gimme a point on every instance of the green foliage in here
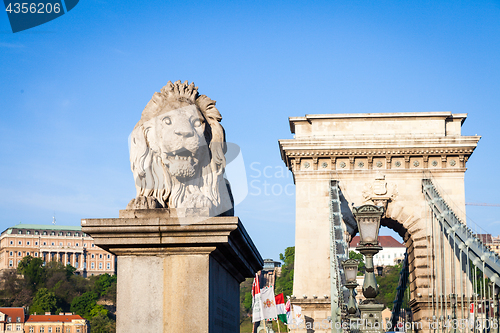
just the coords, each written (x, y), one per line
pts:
(360, 258)
(84, 304)
(102, 324)
(55, 288)
(45, 301)
(284, 283)
(388, 284)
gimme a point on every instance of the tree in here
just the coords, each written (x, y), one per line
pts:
(45, 301)
(102, 324)
(104, 283)
(388, 284)
(361, 265)
(284, 283)
(32, 270)
(84, 304)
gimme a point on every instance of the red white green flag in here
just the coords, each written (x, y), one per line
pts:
(257, 311)
(288, 309)
(280, 307)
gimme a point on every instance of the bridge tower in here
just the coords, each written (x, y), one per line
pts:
(344, 160)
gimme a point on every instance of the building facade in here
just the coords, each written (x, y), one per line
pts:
(61, 323)
(66, 244)
(393, 252)
(12, 319)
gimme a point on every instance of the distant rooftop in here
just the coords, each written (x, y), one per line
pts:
(42, 227)
(53, 318)
(384, 241)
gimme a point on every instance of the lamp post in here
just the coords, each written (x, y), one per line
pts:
(368, 220)
(453, 301)
(351, 271)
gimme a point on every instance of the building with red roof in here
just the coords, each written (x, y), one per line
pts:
(61, 323)
(12, 319)
(392, 253)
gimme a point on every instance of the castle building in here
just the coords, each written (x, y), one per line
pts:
(66, 244)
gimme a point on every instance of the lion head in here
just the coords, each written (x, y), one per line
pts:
(177, 152)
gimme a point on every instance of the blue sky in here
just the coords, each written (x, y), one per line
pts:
(73, 89)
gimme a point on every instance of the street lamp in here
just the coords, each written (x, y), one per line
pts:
(351, 271)
(368, 220)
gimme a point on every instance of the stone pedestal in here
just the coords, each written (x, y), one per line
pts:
(371, 318)
(176, 272)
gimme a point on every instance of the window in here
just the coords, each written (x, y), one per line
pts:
(18, 327)
(77, 330)
(77, 234)
(28, 232)
(11, 253)
(50, 329)
(100, 256)
(84, 244)
(19, 243)
(69, 244)
(28, 243)
(76, 264)
(109, 256)
(42, 329)
(10, 263)
(100, 265)
(52, 234)
(60, 243)
(93, 245)
(108, 266)
(68, 234)
(36, 232)
(27, 253)
(18, 319)
(93, 256)
(92, 265)
(9, 319)
(19, 253)
(36, 243)
(32, 329)
(36, 254)
(382, 256)
(77, 244)
(44, 243)
(58, 330)
(60, 233)
(53, 243)
(45, 233)
(68, 329)
(11, 242)
(19, 232)
(9, 328)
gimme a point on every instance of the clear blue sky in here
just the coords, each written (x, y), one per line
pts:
(72, 90)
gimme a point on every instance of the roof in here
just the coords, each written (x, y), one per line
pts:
(43, 227)
(485, 238)
(13, 313)
(384, 241)
(53, 318)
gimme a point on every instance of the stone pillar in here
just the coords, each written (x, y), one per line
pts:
(176, 274)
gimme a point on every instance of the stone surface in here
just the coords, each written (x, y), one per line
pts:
(377, 158)
(173, 276)
(177, 153)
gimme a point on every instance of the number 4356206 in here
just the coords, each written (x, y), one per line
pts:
(33, 8)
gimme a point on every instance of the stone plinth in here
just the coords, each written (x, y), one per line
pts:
(174, 276)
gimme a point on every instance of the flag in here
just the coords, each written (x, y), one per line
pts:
(269, 304)
(288, 310)
(257, 314)
(280, 307)
(297, 311)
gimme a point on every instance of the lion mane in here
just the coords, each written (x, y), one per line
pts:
(189, 177)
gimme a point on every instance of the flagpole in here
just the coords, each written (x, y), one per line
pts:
(278, 322)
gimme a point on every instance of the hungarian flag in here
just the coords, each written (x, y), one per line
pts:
(288, 309)
(257, 311)
(280, 307)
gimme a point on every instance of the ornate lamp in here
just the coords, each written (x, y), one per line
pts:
(368, 220)
(351, 271)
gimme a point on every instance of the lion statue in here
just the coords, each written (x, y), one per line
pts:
(177, 153)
